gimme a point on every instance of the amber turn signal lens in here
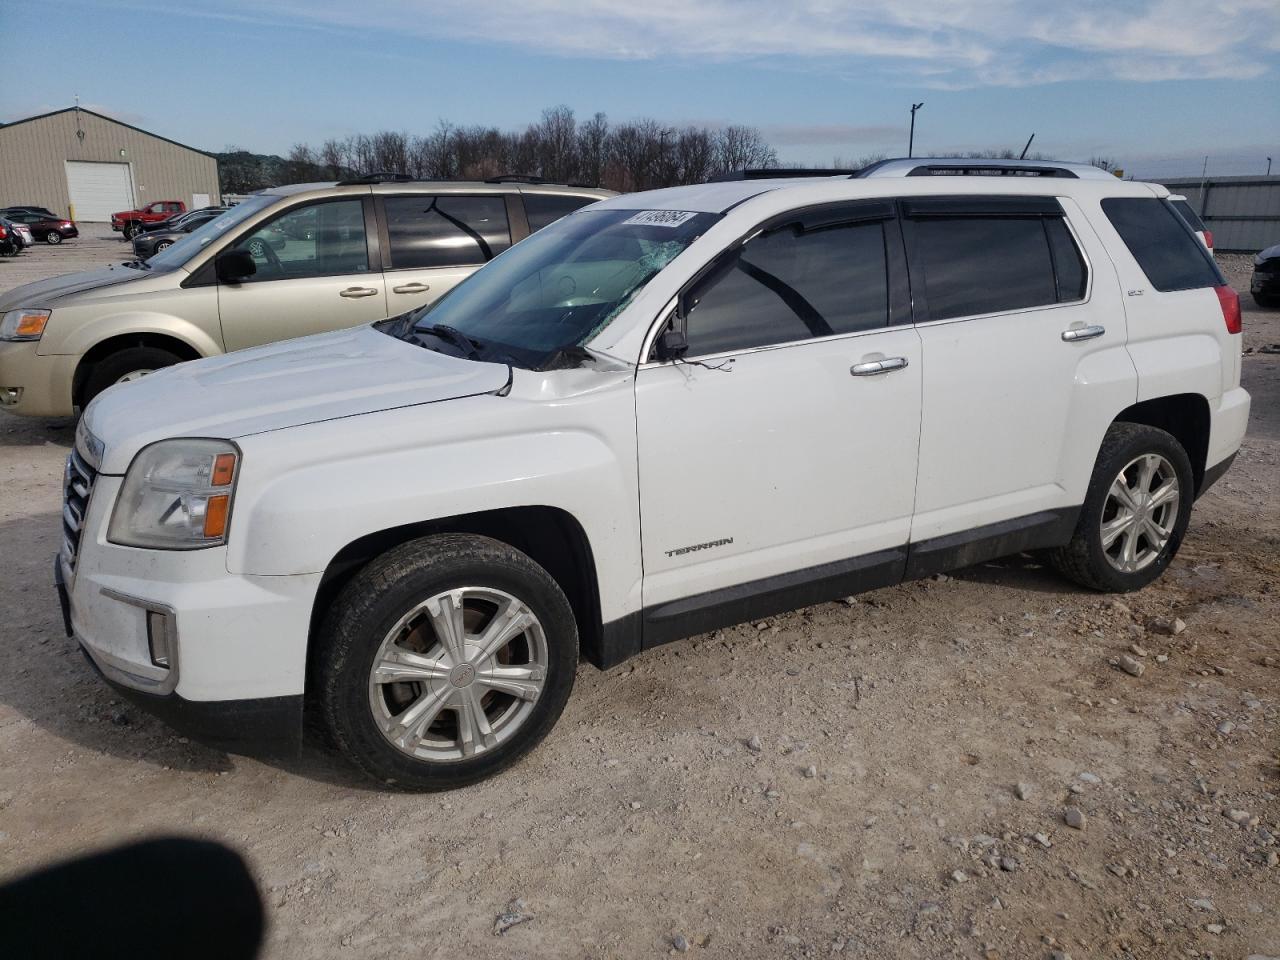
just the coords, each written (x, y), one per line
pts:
(224, 468)
(215, 516)
(31, 324)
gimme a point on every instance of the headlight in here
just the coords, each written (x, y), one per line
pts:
(24, 324)
(177, 496)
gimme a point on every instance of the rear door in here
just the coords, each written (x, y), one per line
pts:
(1023, 337)
(315, 272)
(432, 242)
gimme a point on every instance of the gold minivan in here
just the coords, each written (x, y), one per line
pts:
(283, 263)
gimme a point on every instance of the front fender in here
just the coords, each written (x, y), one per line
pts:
(307, 492)
(76, 330)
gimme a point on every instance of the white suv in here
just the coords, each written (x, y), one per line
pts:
(666, 413)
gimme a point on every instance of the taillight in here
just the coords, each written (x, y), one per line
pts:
(1230, 301)
(66, 224)
(3, 233)
(1208, 239)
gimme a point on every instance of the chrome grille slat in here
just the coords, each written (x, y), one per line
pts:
(77, 488)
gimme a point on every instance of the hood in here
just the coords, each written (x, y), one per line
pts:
(1268, 254)
(331, 375)
(43, 292)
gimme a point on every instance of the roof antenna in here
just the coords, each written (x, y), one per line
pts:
(1023, 154)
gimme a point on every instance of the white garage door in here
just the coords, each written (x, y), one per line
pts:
(99, 189)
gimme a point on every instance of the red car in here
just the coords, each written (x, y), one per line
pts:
(131, 222)
(43, 226)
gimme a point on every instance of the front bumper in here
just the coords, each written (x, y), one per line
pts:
(235, 646)
(1265, 284)
(35, 384)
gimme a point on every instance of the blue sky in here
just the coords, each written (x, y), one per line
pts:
(1155, 84)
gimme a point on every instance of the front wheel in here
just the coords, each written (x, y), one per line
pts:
(1135, 512)
(1265, 301)
(163, 245)
(444, 661)
(124, 366)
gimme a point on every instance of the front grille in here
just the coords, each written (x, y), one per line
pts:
(77, 485)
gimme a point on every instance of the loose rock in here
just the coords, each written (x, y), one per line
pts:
(1131, 666)
(1075, 818)
(1022, 791)
(680, 943)
(754, 744)
(514, 915)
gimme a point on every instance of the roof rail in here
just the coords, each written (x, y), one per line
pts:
(381, 176)
(772, 173)
(981, 167)
(516, 178)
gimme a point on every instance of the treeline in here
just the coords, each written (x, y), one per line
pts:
(637, 155)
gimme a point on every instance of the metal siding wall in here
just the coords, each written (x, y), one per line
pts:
(1242, 212)
(32, 155)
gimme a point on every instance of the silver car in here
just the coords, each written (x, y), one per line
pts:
(283, 263)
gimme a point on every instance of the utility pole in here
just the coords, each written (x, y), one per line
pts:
(911, 139)
(1268, 166)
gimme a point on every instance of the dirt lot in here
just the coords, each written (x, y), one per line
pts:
(841, 780)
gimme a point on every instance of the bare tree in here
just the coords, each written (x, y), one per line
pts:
(593, 149)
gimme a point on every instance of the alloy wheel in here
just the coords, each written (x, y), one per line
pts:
(458, 674)
(1140, 512)
(133, 375)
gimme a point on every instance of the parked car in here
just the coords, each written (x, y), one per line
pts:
(52, 230)
(44, 210)
(806, 388)
(1264, 285)
(370, 250)
(14, 237)
(1193, 220)
(178, 218)
(133, 222)
(151, 242)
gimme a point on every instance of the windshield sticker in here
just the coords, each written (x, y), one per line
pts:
(660, 218)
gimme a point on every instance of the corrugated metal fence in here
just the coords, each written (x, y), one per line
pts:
(1242, 212)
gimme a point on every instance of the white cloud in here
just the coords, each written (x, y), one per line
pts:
(946, 43)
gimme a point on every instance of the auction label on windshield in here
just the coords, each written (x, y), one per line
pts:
(661, 218)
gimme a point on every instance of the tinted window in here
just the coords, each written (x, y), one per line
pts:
(978, 265)
(323, 239)
(446, 231)
(1170, 256)
(1067, 262)
(791, 285)
(1187, 214)
(544, 208)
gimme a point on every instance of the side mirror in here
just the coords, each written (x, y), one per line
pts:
(232, 266)
(672, 345)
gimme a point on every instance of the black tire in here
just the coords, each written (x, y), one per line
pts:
(162, 245)
(1084, 559)
(109, 370)
(1267, 303)
(131, 230)
(53, 237)
(371, 605)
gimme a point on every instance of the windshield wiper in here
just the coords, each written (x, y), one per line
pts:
(453, 335)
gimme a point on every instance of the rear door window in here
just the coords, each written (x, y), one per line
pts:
(543, 208)
(1162, 243)
(445, 231)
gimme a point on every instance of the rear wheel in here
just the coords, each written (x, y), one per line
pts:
(124, 366)
(1135, 512)
(53, 237)
(444, 661)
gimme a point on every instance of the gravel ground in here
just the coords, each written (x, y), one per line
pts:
(953, 768)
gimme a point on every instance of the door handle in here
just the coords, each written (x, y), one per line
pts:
(1083, 333)
(355, 293)
(872, 367)
(415, 287)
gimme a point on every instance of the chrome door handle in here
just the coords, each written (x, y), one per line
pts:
(1083, 333)
(356, 293)
(415, 287)
(872, 367)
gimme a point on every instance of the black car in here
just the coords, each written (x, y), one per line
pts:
(43, 226)
(1265, 284)
(14, 237)
(150, 242)
(172, 223)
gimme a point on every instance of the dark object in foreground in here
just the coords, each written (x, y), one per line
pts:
(163, 898)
